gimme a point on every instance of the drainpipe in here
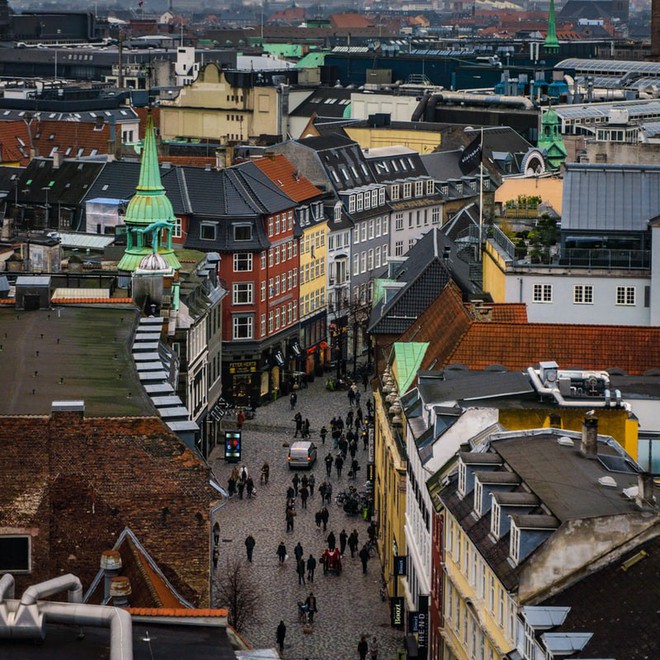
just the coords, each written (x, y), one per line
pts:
(6, 586)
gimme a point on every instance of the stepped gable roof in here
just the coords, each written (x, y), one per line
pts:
(281, 171)
(424, 273)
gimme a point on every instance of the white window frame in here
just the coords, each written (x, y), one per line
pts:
(242, 225)
(374, 198)
(430, 186)
(395, 192)
(240, 290)
(583, 294)
(626, 296)
(381, 196)
(351, 204)
(177, 231)
(436, 215)
(386, 225)
(237, 325)
(419, 189)
(407, 190)
(542, 293)
(514, 542)
(356, 264)
(239, 258)
(371, 228)
(495, 518)
(359, 202)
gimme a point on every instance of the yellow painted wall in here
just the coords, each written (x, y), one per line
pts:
(389, 493)
(549, 189)
(494, 278)
(615, 422)
(423, 142)
(211, 108)
(312, 279)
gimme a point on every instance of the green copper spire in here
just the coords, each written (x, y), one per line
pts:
(550, 140)
(149, 216)
(551, 43)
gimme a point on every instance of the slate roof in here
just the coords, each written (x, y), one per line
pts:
(479, 341)
(327, 102)
(425, 273)
(468, 385)
(285, 174)
(394, 163)
(618, 605)
(443, 165)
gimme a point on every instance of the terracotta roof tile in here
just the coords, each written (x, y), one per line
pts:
(71, 136)
(509, 313)
(14, 142)
(175, 612)
(283, 173)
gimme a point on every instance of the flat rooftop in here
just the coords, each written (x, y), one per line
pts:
(70, 353)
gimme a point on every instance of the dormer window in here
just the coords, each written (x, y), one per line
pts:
(242, 232)
(430, 186)
(514, 543)
(394, 192)
(367, 201)
(462, 478)
(351, 204)
(337, 212)
(444, 190)
(478, 497)
(374, 198)
(381, 196)
(495, 515)
(407, 190)
(419, 188)
(359, 201)
(459, 188)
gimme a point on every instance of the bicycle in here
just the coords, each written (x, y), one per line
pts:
(303, 613)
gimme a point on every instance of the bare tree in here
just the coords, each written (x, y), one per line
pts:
(239, 593)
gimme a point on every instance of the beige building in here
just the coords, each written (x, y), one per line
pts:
(225, 105)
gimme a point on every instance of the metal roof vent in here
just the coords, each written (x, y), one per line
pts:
(608, 482)
(565, 441)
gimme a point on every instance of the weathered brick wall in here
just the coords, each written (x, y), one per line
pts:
(77, 482)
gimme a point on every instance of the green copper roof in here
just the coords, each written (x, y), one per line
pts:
(550, 139)
(311, 60)
(379, 290)
(551, 42)
(408, 357)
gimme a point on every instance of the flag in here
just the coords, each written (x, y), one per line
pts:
(471, 156)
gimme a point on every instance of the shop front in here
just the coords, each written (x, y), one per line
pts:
(243, 382)
(313, 336)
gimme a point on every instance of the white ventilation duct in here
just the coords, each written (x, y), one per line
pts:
(26, 619)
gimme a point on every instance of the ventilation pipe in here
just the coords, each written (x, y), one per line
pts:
(520, 102)
(26, 619)
(111, 565)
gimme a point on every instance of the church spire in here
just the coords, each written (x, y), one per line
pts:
(149, 215)
(551, 43)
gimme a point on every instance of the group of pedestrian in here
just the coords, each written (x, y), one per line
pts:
(240, 481)
(302, 426)
(364, 647)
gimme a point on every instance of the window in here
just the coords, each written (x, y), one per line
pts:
(207, 231)
(356, 235)
(356, 264)
(277, 319)
(263, 291)
(394, 192)
(242, 293)
(277, 224)
(363, 232)
(371, 228)
(495, 515)
(270, 257)
(430, 187)
(625, 295)
(290, 280)
(277, 285)
(242, 232)
(351, 204)
(435, 215)
(263, 325)
(367, 201)
(407, 190)
(419, 188)
(270, 321)
(359, 202)
(514, 547)
(337, 216)
(242, 326)
(378, 227)
(378, 257)
(374, 198)
(15, 554)
(176, 230)
(542, 293)
(263, 260)
(398, 221)
(370, 260)
(381, 196)
(289, 249)
(478, 496)
(583, 294)
(277, 254)
(242, 261)
(363, 262)
(386, 226)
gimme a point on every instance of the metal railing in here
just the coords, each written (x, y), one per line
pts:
(603, 258)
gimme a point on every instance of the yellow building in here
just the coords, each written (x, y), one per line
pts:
(548, 188)
(422, 141)
(222, 104)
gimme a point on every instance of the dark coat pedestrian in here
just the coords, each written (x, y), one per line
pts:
(311, 483)
(298, 551)
(349, 419)
(359, 418)
(299, 421)
(353, 542)
(290, 493)
(332, 541)
(358, 396)
(363, 648)
(300, 569)
(249, 486)
(281, 634)
(311, 567)
(322, 489)
(355, 468)
(318, 518)
(352, 449)
(328, 493)
(296, 482)
(324, 517)
(339, 464)
(293, 399)
(365, 380)
(305, 428)
(351, 397)
(365, 439)
(311, 606)
(281, 552)
(343, 447)
(364, 557)
(343, 538)
(249, 546)
(304, 494)
(231, 487)
(304, 481)
(328, 464)
(370, 407)
(241, 488)
(265, 473)
(290, 515)
(323, 433)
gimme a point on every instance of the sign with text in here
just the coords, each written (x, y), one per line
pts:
(413, 621)
(423, 627)
(397, 612)
(371, 472)
(249, 366)
(400, 565)
(233, 446)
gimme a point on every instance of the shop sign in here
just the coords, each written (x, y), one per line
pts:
(247, 367)
(295, 347)
(400, 565)
(278, 357)
(233, 446)
(423, 626)
(397, 612)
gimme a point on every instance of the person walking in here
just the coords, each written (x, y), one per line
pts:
(281, 634)
(365, 439)
(298, 551)
(365, 380)
(364, 558)
(265, 473)
(305, 428)
(281, 552)
(311, 606)
(332, 541)
(231, 485)
(249, 546)
(240, 419)
(373, 649)
(249, 485)
(241, 487)
(299, 422)
(328, 494)
(311, 482)
(293, 399)
(328, 464)
(318, 519)
(351, 397)
(300, 569)
(363, 648)
(323, 433)
(339, 464)
(296, 482)
(343, 538)
(322, 489)
(311, 567)
(290, 515)
(324, 517)
(304, 494)
(243, 475)
(358, 396)
(353, 542)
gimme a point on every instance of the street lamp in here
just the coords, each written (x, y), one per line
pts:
(46, 189)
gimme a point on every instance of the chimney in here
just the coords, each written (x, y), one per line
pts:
(67, 409)
(120, 590)
(589, 444)
(111, 565)
(645, 490)
(57, 160)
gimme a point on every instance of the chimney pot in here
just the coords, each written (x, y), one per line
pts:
(589, 444)
(110, 560)
(120, 590)
(645, 489)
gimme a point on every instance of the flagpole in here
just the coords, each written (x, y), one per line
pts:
(481, 193)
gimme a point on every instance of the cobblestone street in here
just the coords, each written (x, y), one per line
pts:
(349, 605)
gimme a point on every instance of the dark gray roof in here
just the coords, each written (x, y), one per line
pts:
(392, 166)
(424, 273)
(462, 222)
(467, 385)
(443, 165)
(325, 102)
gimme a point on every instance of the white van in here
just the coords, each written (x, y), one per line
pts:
(302, 454)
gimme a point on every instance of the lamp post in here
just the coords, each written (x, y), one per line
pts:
(46, 189)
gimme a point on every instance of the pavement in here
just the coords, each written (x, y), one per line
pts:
(349, 605)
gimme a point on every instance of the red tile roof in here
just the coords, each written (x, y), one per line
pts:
(504, 337)
(350, 21)
(283, 173)
(70, 136)
(177, 611)
(14, 142)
